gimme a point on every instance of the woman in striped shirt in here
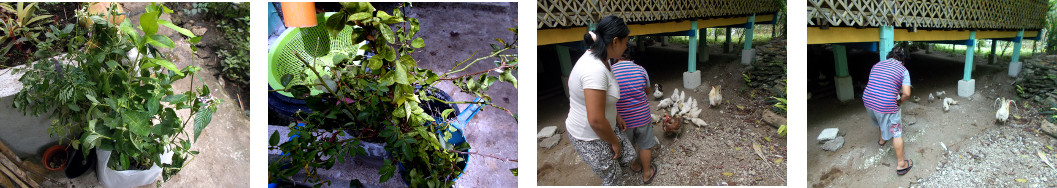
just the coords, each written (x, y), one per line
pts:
(882, 100)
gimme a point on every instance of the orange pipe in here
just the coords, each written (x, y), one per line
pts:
(299, 14)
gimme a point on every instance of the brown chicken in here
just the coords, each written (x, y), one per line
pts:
(671, 125)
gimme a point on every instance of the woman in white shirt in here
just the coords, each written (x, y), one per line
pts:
(593, 92)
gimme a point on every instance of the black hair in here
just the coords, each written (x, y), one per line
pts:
(899, 54)
(607, 28)
(628, 53)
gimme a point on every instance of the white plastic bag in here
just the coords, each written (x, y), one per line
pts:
(127, 178)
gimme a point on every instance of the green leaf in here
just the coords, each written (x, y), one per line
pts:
(387, 52)
(160, 41)
(359, 16)
(335, 23)
(205, 114)
(400, 74)
(286, 80)
(418, 43)
(148, 22)
(138, 123)
(178, 98)
(387, 33)
(514, 171)
(508, 76)
(73, 106)
(274, 140)
(166, 64)
(375, 63)
(444, 115)
(178, 29)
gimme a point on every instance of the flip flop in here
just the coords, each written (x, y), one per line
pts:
(647, 182)
(636, 171)
(910, 164)
(882, 143)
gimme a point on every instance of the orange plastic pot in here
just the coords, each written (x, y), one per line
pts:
(299, 14)
(58, 152)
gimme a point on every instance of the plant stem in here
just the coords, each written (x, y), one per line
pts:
(483, 154)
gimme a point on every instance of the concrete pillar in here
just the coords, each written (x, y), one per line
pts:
(747, 53)
(566, 63)
(967, 85)
(726, 43)
(692, 77)
(1014, 64)
(664, 41)
(887, 41)
(845, 91)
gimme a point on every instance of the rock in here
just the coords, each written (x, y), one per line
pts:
(773, 119)
(910, 120)
(550, 142)
(546, 132)
(1049, 128)
(833, 145)
(828, 134)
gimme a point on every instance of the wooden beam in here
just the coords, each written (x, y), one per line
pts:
(554, 36)
(816, 35)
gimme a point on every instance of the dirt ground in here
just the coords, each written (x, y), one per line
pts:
(224, 145)
(980, 150)
(453, 31)
(718, 154)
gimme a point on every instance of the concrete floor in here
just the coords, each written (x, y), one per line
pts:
(453, 31)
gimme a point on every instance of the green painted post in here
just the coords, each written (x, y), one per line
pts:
(887, 41)
(994, 44)
(748, 31)
(969, 56)
(692, 61)
(564, 59)
(840, 56)
(726, 43)
(1016, 46)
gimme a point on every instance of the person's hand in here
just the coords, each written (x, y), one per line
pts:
(616, 150)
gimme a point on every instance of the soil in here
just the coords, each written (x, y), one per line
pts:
(57, 160)
(982, 152)
(718, 154)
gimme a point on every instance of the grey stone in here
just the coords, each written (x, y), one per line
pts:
(550, 142)
(828, 134)
(833, 145)
(546, 132)
(1049, 128)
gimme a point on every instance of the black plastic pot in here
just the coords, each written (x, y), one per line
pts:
(79, 163)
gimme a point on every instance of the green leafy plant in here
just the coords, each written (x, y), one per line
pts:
(779, 105)
(1050, 35)
(197, 8)
(781, 130)
(113, 101)
(383, 98)
(234, 54)
(22, 27)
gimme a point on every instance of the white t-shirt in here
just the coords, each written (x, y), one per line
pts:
(590, 73)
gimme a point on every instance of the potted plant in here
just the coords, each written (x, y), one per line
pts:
(383, 97)
(116, 96)
(55, 157)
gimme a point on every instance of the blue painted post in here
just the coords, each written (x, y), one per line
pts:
(969, 56)
(845, 91)
(748, 31)
(887, 41)
(726, 43)
(1016, 46)
(692, 61)
(1014, 64)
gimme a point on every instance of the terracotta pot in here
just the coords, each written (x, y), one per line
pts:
(299, 14)
(56, 152)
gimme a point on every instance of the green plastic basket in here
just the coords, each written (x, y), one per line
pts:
(314, 44)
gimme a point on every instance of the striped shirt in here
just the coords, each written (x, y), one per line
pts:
(633, 105)
(886, 78)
